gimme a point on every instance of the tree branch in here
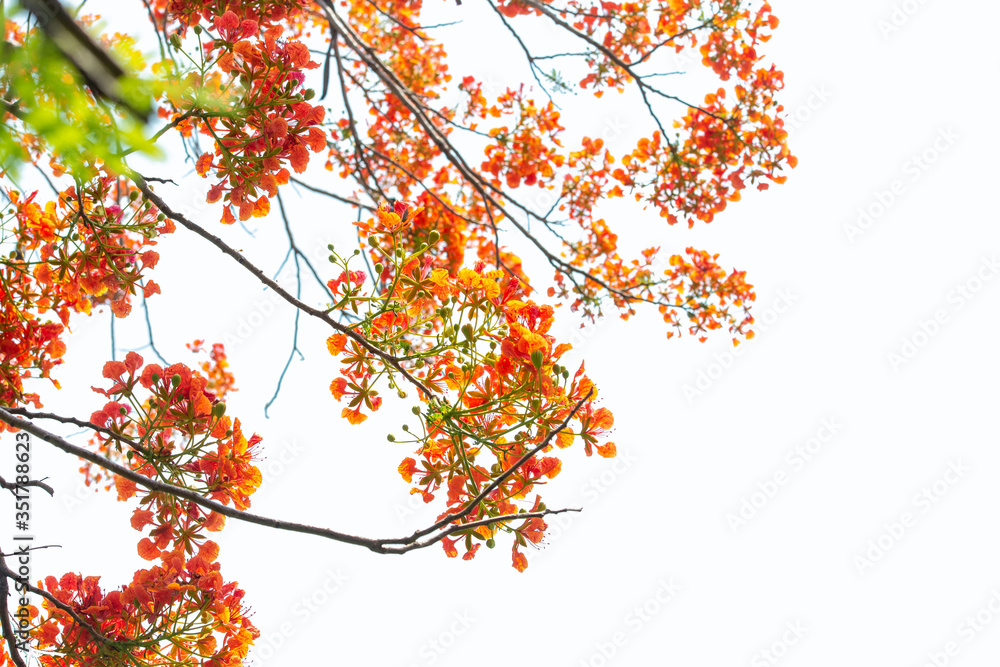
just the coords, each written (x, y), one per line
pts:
(378, 545)
(385, 357)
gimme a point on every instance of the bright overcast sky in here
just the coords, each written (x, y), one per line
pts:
(827, 497)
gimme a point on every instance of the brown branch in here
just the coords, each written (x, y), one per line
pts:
(472, 504)
(332, 195)
(8, 631)
(385, 357)
(338, 26)
(19, 485)
(176, 491)
(7, 573)
(378, 545)
(146, 454)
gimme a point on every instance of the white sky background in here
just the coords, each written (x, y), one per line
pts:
(698, 430)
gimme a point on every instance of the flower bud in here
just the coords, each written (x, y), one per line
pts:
(434, 236)
(176, 379)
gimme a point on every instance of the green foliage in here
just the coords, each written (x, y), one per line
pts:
(59, 116)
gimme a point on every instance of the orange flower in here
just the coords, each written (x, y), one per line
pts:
(204, 163)
(407, 468)
(338, 388)
(336, 343)
(353, 415)
(520, 562)
(148, 550)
